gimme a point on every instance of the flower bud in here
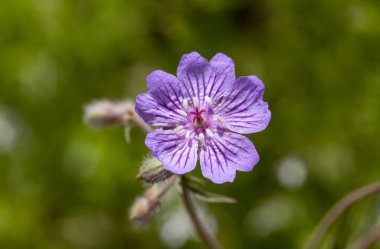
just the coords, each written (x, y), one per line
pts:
(142, 208)
(103, 113)
(145, 205)
(152, 171)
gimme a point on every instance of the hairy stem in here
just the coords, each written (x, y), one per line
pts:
(337, 210)
(206, 236)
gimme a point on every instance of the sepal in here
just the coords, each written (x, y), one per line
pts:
(152, 171)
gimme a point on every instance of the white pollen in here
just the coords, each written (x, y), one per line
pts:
(201, 138)
(196, 101)
(178, 128)
(209, 132)
(187, 134)
(208, 100)
(185, 103)
(183, 113)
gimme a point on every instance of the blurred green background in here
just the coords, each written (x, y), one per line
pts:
(65, 185)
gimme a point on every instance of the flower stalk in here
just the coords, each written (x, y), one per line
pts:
(368, 239)
(206, 236)
(337, 210)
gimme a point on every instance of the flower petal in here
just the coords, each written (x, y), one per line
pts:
(224, 153)
(194, 72)
(177, 153)
(223, 77)
(159, 106)
(244, 110)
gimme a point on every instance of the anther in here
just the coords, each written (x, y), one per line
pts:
(201, 138)
(185, 103)
(182, 113)
(187, 134)
(196, 101)
(220, 121)
(217, 118)
(209, 132)
(208, 100)
(178, 128)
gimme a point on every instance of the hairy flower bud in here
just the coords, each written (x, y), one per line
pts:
(152, 171)
(145, 205)
(142, 208)
(104, 113)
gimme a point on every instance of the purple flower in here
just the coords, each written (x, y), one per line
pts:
(202, 111)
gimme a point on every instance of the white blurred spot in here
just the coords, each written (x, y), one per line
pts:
(81, 158)
(357, 17)
(8, 133)
(39, 76)
(292, 172)
(176, 230)
(271, 216)
(331, 162)
(175, 226)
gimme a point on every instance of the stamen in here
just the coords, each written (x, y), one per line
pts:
(182, 113)
(201, 138)
(187, 134)
(196, 101)
(209, 132)
(208, 100)
(217, 118)
(220, 121)
(178, 128)
(185, 103)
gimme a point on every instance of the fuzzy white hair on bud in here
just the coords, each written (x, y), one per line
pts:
(104, 113)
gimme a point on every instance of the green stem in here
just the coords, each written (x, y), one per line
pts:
(206, 236)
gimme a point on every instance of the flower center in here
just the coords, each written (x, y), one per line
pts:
(198, 119)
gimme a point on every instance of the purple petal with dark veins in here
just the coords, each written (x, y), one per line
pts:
(177, 153)
(244, 110)
(194, 72)
(223, 77)
(159, 106)
(224, 153)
